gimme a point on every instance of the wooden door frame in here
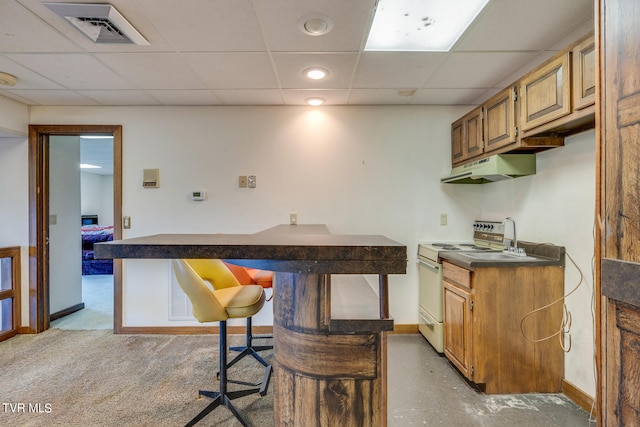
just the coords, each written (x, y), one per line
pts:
(39, 214)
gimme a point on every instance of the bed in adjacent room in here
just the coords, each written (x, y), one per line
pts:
(93, 233)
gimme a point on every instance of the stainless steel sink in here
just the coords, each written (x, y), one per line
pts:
(497, 256)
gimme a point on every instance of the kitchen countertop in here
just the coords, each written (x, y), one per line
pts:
(538, 254)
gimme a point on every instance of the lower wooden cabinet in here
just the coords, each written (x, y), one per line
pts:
(457, 344)
(483, 334)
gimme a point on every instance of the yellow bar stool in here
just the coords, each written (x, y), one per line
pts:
(217, 304)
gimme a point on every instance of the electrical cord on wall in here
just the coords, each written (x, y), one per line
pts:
(565, 326)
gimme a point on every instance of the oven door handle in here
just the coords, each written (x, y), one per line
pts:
(425, 320)
(433, 267)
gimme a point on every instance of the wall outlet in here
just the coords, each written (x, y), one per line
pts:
(126, 222)
(443, 219)
(242, 181)
(293, 218)
(252, 181)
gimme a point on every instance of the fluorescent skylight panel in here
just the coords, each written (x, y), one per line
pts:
(421, 25)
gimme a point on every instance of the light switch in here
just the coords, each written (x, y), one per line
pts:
(126, 222)
(252, 181)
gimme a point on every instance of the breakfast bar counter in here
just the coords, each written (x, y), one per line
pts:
(326, 371)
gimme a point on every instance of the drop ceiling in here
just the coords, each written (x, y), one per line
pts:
(252, 52)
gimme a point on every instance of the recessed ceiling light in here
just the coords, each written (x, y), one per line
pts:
(315, 101)
(7, 79)
(315, 24)
(411, 25)
(316, 73)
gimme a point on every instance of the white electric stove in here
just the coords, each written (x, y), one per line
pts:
(487, 236)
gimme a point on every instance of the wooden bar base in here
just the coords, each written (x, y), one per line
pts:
(323, 378)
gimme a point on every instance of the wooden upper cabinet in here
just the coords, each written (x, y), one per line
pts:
(584, 74)
(535, 113)
(466, 136)
(458, 153)
(545, 93)
(500, 120)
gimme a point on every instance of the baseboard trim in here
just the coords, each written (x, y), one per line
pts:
(67, 311)
(579, 397)
(232, 330)
(191, 330)
(405, 329)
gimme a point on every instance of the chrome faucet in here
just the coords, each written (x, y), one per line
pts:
(508, 242)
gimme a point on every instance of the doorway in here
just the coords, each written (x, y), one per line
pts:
(39, 217)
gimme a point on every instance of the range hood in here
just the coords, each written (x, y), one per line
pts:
(498, 167)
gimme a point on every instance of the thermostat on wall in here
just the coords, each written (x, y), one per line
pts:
(198, 195)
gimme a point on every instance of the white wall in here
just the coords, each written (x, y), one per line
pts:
(65, 246)
(557, 206)
(14, 187)
(97, 196)
(356, 169)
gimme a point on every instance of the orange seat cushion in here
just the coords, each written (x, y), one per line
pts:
(251, 276)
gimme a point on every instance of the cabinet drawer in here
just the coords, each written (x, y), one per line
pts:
(456, 275)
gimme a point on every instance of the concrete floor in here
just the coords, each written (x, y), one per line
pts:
(425, 390)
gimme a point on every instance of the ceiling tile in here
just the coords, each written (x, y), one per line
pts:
(297, 97)
(22, 31)
(53, 97)
(447, 96)
(279, 19)
(250, 97)
(382, 70)
(72, 70)
(153, 70)
(291, 66)
(206, 25)
(477, 69)
(377, 97)
(185, 97)
(233, 70)
(523, 24)
(26, 77)
(120, 97)
(252, 52)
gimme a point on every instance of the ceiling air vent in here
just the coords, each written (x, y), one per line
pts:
(102, 23)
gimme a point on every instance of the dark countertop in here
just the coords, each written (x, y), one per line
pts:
(288, 248)
(538, 254)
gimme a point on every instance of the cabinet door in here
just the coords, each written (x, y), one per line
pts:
(458, 152)
(499, 120)
(457, 327)
(473, 133)
(466, 137)
(584, 74)
(545, 94)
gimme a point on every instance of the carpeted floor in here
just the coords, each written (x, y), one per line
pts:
(94, 378)
(85, 378)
